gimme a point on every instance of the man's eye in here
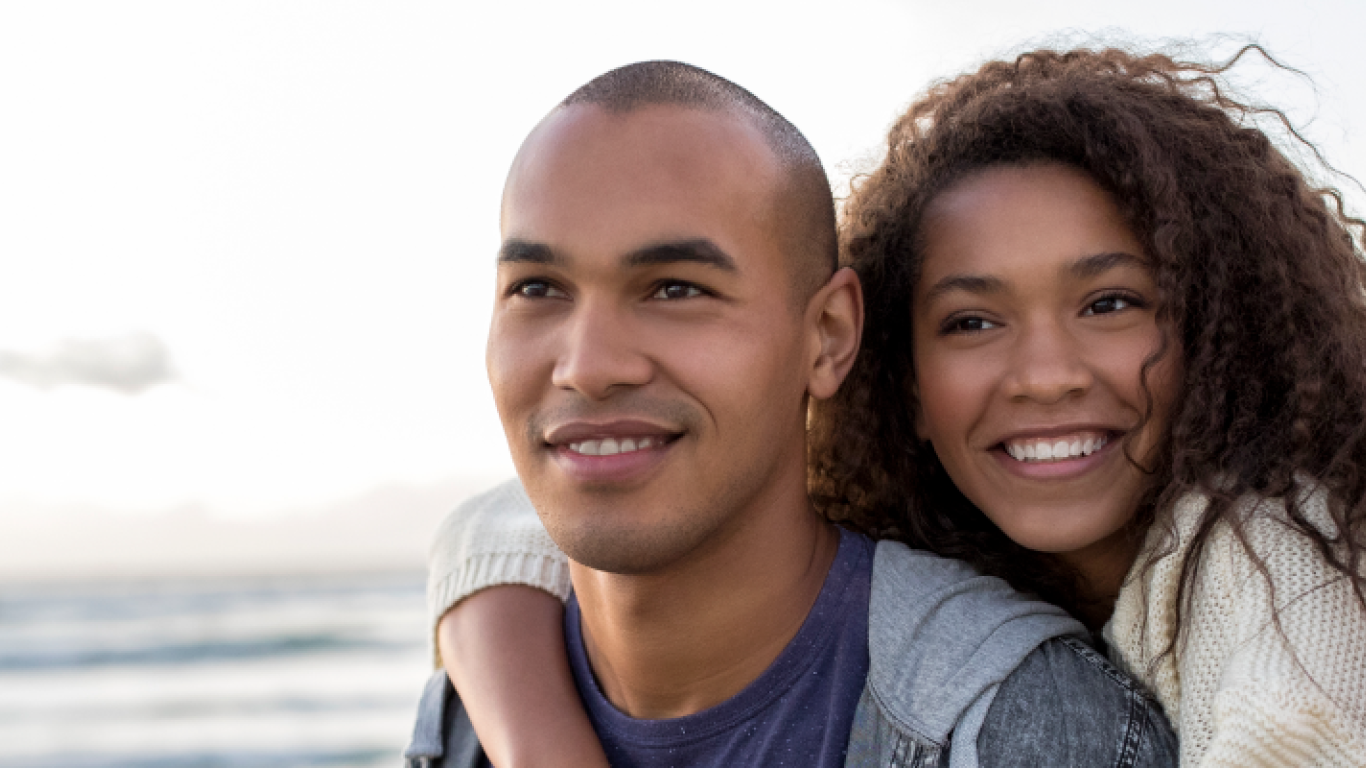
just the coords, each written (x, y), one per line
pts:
(537, 289)
(672, 291)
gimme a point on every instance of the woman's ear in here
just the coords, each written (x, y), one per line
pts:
(834, 317)
(917, 410)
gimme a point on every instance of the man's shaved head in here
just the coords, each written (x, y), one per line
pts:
(664, 311)
(805, 206)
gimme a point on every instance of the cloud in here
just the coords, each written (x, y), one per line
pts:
(127, 364)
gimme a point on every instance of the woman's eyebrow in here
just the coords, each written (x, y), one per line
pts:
(1100, 263)
(977, 284)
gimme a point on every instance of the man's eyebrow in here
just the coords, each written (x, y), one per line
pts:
(978, 284)
(699, 251)
(515, 251)
(1100, 263)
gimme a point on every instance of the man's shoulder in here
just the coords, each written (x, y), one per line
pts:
(1065, 704)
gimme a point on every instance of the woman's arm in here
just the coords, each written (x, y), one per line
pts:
(495, 588)
(504, 651)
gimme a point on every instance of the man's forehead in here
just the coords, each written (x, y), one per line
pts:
(657, 173)
(581, 127)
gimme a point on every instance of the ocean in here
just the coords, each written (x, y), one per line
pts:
(211, 673)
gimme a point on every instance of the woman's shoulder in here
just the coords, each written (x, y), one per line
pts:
(1259, 639)
(1254, 556)
(1256, 530)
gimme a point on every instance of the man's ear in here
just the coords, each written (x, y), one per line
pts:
(835, 317)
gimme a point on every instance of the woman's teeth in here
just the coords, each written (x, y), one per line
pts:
(1054, 450)
(611, 446)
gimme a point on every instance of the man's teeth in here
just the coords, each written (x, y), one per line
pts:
(611, 446)
(1054, 450)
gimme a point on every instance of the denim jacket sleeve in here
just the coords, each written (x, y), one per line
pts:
(443, 736)
(1066, 705)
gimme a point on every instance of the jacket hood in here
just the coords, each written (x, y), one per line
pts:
(941, 639)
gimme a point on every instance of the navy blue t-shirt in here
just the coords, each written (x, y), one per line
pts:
(797, 713)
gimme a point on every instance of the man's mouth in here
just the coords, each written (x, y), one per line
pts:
(610, 438)
(611, 446)
(615, 452)
(1056, 448)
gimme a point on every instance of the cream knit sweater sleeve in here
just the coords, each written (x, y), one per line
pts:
(494, 538)
(1238, 691)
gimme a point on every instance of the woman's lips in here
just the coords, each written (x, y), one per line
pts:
(1056, 448)
(1059, 457)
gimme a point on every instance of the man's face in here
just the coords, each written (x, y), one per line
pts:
(645, 354)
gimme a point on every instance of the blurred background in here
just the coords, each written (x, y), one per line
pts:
(246, 259)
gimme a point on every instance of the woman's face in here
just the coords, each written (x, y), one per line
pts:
(1034, 314)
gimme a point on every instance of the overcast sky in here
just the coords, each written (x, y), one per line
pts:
(246, 248)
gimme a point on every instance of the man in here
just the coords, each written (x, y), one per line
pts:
(668, 300)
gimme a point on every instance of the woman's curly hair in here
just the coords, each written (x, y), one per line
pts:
(1261, 279)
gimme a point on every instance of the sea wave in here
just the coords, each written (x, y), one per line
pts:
(305, 671)
(370, 758)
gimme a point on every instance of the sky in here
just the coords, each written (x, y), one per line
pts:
(246, 248)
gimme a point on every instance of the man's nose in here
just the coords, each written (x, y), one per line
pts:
(603, 352)
(1047, 365)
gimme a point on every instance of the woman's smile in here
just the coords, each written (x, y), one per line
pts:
(1063, 456)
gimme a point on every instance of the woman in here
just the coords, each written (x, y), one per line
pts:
(1115, 353)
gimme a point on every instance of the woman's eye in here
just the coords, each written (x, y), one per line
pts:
(537, 289)
(968, 325)
(672, 291)
(1107, 304)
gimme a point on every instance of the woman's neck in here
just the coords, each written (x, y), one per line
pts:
(1101, 568)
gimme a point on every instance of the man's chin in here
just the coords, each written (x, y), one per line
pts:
(626, 551)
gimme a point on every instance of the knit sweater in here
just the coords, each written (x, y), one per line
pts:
(492, 539)
(1240, 691)
(1234, 690)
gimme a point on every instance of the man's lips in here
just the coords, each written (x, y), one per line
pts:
(610, 438)
(616, 453)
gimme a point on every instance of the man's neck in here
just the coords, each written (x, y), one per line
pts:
(672, 643)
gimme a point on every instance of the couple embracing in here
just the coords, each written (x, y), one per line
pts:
(1082, 375)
